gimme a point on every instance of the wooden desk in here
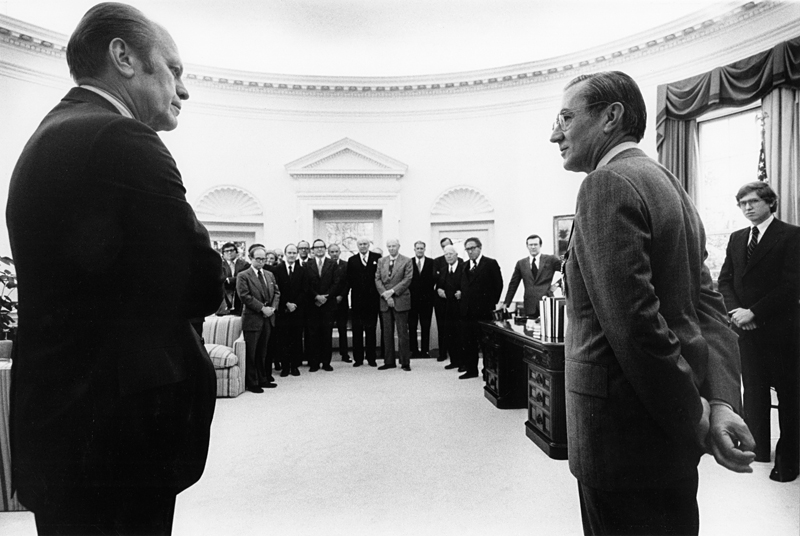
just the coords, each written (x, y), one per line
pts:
(523, 371)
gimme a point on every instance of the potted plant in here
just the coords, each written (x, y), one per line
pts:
(8, 299)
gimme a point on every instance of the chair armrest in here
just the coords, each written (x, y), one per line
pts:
(239, 350)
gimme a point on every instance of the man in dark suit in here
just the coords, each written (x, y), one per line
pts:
(481, 286)
(260, 298)
(439, 303)
(422, 297)
(365, 303)
(392, 280)
(647, 346)
(112, 392)
(448, 288)
(536, 273)
(323, 280)
(760, 281)
(293, 285)
(232, 264)
(342, 307)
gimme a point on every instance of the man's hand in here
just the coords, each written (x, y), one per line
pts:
(338, 299)
(387, 294)
(390, 302)
(441, 293)
(268, 311)
(291, 307)
(321, 299)
(701, 428)
(458, 294)
(730, 441)
(743, 318)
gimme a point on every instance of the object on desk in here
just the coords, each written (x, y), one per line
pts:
(553, 314)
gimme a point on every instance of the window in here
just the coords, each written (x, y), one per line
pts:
(729, 147)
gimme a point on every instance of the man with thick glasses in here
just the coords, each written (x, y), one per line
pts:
(652, 370)
(232, 264)
(760, 280)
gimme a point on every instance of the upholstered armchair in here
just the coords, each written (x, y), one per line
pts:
(225, 345)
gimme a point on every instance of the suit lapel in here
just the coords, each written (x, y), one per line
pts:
(771, 237)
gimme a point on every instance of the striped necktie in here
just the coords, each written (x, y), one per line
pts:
(753, 243)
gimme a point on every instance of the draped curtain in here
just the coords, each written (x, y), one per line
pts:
(782, 148)
(734, 85)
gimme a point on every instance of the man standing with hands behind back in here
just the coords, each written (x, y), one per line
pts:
(760, 280)
(112, 392)
(647, 344)
(536, 273)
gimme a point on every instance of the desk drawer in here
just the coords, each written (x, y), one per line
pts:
(540, 378)
(540, 418)
(540, 397)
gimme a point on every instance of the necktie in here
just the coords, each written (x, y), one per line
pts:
(319, 266)
(474, 266)
(364, 260)
(753, 243)
(419, 265)
(290, 269)
(534, 269)
(263, 282)
(391, 266)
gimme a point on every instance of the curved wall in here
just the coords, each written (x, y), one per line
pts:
(486, 131)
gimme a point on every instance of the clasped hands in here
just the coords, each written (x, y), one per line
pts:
(387, 295)
(267, 311)
(743, 318)
(724, 434)
(320, 300)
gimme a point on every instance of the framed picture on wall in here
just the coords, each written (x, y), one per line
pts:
(562, 228)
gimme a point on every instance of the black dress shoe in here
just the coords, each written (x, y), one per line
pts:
(782, 473)
(373, 364)
(358, 363)
(295, 372)
(346, 359)
(284, 373)
(440, 358)
(386, 367)
(407, 368)
(468, 375)
(451, 366)
(327, 367)
(269, 385)
(313, 368)
(255, 389)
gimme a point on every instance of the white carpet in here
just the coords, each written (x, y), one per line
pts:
(359, 452)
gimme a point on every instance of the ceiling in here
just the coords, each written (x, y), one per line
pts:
(383, 37)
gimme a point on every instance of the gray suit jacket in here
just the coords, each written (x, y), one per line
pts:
(254, 298)
(400, 281)
(646, 333)
(535, 288)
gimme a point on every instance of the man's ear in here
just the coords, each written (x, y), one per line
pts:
(121, 58)
(613, 116)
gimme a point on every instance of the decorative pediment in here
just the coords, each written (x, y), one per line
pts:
(462, 203)
(229, 204)
(346, 159)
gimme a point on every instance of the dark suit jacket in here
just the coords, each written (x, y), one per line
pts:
(100, 196)
(343, 289)
(399, 281)
(422, 284)
(480, 289)
(646, 332)
(361, 280)
(230, 277)
(328, 283)
(292, 290)
(535, 288)
(450, 284)
(255, 297)
(768, 285)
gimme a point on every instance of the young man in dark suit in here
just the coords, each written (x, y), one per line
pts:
(760, 281)
(651, 365)
(422, 297)
(536, 273)
(260, 296)
(364, 302)
(323, 280)
(293, 284)
(481, 287)
(112, 393)
(448, 288)
(342, 307)
(232, 264)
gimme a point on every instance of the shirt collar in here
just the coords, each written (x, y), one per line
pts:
(534, 257)
(762, 227)
(614, 151)
(118, 104)
(478, 260)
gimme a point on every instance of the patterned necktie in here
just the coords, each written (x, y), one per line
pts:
(534, 269)
(391, 266)
(364, 260)
(753, 243)
(419, 265)
(263, 282)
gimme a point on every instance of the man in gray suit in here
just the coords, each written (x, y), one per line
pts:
(647, 344)
(393, 279)
(536, 273)
(260, 295)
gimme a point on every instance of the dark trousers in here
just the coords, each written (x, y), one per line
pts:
(664, 511)
(770, 361)
(258, 368)
(106, 510)
(364, 324)
(440, 310)
(451, 331)
(320, 323)
(423, 315)
(289, 335)
(471, 341)
(342, 314)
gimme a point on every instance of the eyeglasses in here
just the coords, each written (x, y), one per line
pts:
(564, 118)
(301, 248)
(471, 248)
(260, 259)
(319, 247)
(229, 251)
(750, 203)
